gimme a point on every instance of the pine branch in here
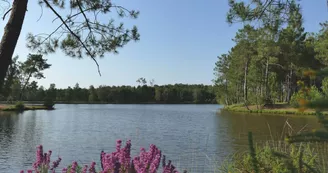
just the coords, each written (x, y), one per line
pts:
(85, 17)
(4, 16)
(76, 36)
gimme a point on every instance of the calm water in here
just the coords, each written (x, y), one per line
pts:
(195, 137)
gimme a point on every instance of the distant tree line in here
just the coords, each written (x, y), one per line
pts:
(20, 85)
(166, 94)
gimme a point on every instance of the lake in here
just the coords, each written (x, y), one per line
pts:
(194, 137)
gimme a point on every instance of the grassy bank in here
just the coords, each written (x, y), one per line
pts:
(26, 107)
(84, 102)
(283, 109)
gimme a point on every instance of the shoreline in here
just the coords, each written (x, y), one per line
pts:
(12, 108)
(286, 111)
(77, 102)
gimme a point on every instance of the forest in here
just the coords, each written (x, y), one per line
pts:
(272, 52)
(21, 85)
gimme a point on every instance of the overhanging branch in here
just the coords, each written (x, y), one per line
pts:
(4, 16)
(76, 36)
(85, 17)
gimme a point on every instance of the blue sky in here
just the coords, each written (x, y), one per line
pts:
(180, 42)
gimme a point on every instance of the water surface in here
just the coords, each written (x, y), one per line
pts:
(195, 137)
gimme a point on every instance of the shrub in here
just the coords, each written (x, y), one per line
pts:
(324, 86)
(19, 106)
(313, 94)
(271, 158)
(49, 103)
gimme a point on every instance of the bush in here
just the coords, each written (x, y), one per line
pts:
(19, 106)
(313, 94)
(270, 158)
(324, 86)
(49, 103)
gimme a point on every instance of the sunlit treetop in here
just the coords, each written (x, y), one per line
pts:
(260, 10)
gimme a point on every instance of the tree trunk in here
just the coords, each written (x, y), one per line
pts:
(9, 80)
(23, 89)
(245, 83)
(10, 36)
(26, 82)
(289, 91)
(266, 79)
(226, 92)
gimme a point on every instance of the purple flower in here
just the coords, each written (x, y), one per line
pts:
(85, 169)
(155, 163)
(22, 171)
(39, 157)
(47, 159)
(169, 168)
(116, 162)
(147, 160)
(118, 145)
(92, 168)
(73, 168)
(55, 164)
(64, 170)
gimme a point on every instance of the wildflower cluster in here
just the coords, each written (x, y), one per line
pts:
(148, 161)
(119, 161)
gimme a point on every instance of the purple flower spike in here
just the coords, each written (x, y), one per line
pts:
(92, 168)
(55, 164)
(119, 161)
(169, 168)
(73, 168)
(118, 145)
(39, 157)
(64, 170)
(85, 169)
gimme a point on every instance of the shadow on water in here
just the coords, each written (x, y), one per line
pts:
(19, 135)
(7, 133)
(264, 127)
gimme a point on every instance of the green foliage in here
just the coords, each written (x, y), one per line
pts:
(313, 94)
(268, 59)
(19, 106)
(48, 103)
(272, 158)
(81, 33)
(178, 93)
(33, 66)
(12, 75)
(322, 43)
(324, 86)
(252, 153)
(264, 10)
(281, 21)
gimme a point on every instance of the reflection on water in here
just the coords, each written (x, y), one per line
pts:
(193, 136)
(266, 127)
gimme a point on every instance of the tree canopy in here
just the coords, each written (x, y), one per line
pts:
(267, 60)
(79, 34)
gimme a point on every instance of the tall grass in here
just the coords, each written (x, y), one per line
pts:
(279, 156)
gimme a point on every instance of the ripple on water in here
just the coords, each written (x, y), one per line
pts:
(195, 137)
